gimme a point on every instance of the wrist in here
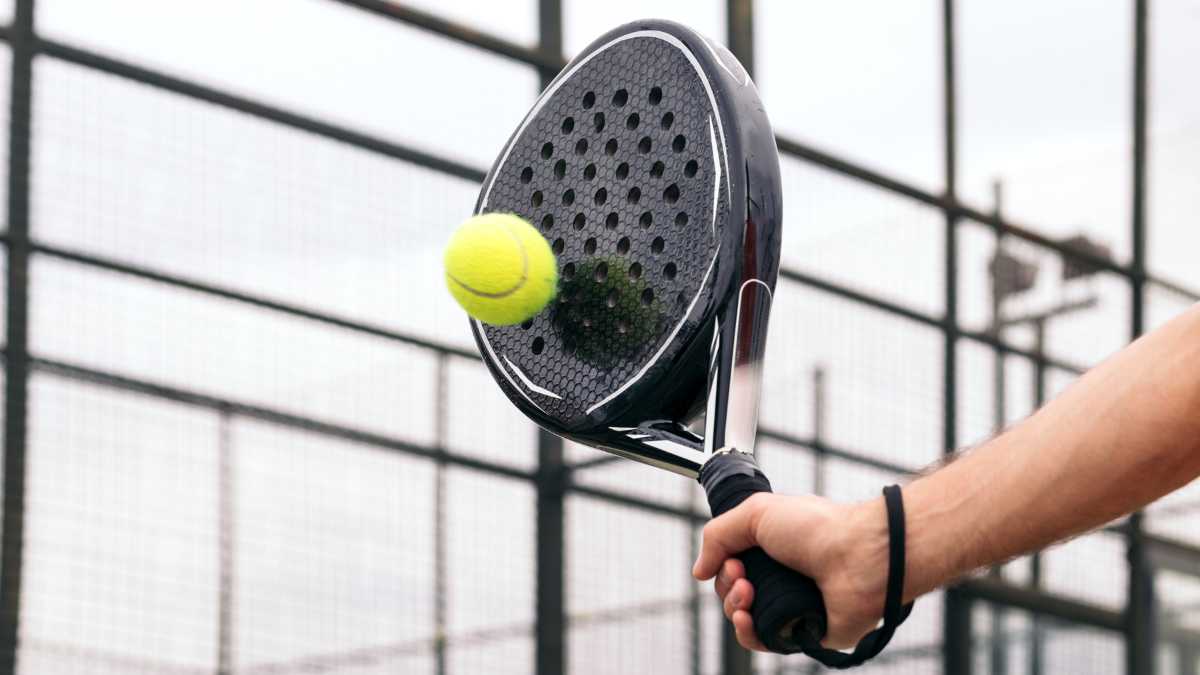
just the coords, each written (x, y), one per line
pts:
(861, 572)
(866, 552)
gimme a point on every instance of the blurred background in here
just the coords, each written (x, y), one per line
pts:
(246, 431)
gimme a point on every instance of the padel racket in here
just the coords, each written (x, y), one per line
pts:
(651, 167)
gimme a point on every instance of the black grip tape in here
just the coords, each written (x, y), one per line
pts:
(788, 610)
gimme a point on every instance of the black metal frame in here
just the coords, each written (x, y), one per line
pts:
(553, 478)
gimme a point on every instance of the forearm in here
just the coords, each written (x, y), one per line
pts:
(1125, 434)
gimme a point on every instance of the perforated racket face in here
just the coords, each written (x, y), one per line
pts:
(621, 167)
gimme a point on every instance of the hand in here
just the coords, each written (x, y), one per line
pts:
(843, 548)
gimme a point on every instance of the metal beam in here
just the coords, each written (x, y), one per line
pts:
(991, 589)
(548, 60)
(226, 293)
(266, 414)
(956, 615)
(552, 477)
(232, 101)
(739, 26)
(1141, 641)
(12, 535)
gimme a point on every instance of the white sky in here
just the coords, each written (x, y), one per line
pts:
(333, 541)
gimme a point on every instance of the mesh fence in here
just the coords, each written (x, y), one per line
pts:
(252, 435)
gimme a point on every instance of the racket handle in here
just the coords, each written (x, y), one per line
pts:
(788, 610)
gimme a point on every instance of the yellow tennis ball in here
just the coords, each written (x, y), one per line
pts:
(500, 269)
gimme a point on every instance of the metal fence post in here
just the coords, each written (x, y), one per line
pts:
(735, 660)
(551, 621)
(17, 354)
(1141, 644)
(956, 627)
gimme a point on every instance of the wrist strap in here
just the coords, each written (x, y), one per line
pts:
(894, 613)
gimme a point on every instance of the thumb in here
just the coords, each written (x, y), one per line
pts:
(726, 535)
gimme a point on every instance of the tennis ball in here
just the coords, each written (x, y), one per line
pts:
(499, 269)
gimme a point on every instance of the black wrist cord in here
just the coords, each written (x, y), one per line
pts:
(894, 613)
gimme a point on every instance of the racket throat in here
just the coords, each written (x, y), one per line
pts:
(735, 372)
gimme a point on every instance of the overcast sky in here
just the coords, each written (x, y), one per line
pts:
(333, 541)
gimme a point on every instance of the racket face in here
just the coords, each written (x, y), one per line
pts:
(624, 164)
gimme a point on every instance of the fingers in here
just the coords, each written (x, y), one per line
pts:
(730, 572)
(736, 603)
(724, 536)
(740, 597)
(743, 626)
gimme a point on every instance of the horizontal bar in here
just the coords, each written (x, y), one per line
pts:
(940, 323)
(806, 152)
(265, 414)
(1050, 313)
(840, 453)
(600, 460)
(245, 298)
(636, 502)
(993, 341)
(284, 419)
(278, 115)
(993, 589)
(544, 61)
(848, 293)
(1172, 554)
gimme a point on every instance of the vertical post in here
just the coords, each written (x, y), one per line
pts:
(1141, 644)
(999, 647)
(739, 16)
(225, 540)
(1037, 645)
(956, 618)
(17, 363)
(441, 411)
(551, 622)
